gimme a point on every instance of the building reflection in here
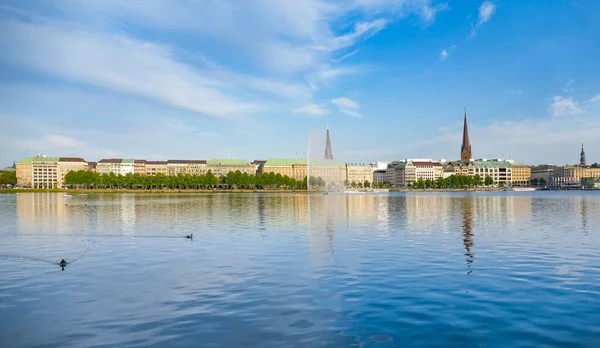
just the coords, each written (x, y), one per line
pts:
(467, 225)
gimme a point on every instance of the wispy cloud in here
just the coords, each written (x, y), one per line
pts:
(313, 110)
(485, 13)
(562, 106)
(428, 13)
(347, 106)
(568, 88)
(595, 99)
(446, 52)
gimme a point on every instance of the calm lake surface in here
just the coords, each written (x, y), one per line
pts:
(264, 270)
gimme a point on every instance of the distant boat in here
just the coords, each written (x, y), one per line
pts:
(67, 196)
(83, 194)
(520, 189)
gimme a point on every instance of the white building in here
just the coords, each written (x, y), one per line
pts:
(379, 165)
(411, 170)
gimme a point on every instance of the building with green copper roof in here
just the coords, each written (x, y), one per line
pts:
(222, 166)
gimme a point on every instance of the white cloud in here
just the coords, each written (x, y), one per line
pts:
(568, 88)
(486, 11)
(352, 113)
(446, 52)
(428, 13)
(119, 64)
(312, 109)
(595, 99)
(347, 106)
(344, 102)
(562, 106)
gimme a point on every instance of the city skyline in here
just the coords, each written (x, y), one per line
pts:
(101, 79)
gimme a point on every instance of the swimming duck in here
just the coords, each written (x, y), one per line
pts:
(191, 236)
(63, 264)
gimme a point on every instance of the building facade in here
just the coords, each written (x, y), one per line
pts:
(109, 165)
(359, 172)
(220, 167)
(499, 170)
(139, 167)
(521, 174)
(411, 170)
(572, 175)
(156, 167)
(38, 172)
(69, 164)
(379, 176)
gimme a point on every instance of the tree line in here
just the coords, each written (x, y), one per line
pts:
(8, 178)
(454, 181)
(233, 180)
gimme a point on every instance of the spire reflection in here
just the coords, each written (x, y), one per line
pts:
(467, 225)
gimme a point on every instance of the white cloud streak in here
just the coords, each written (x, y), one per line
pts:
(485, 13)
(313, 110)
(347, 106)
(562, 106)
(446, 53)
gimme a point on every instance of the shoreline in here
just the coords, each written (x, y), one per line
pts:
(226, 191)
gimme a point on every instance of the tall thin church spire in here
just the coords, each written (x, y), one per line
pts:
(328, 153)
(465, 149)
(582, 158)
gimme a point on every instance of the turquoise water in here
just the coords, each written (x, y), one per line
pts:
(382, 270)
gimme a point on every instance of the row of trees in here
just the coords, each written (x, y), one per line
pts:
(538, 182)
(8, 178)
(234, 180)
(454, 181)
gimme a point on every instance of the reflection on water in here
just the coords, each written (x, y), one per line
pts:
(362, 270)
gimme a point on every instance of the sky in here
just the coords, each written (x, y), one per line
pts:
(202, 79)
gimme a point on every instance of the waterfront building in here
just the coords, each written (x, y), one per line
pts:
(258, 165)
(411, 170)
(359, 172)
(69, 164)
(109, 165)
(521, 174)
(330, 171)
(544, 171)
(127, 167)
(139, 167)
(196, 167)
(156, 167)
(220, 167)
(38, 172)
(294, 168)
(92, 166)
(175, 167)
(465, 150)
(379, 165)
(499, 170)
(572, 174)
(379, 176)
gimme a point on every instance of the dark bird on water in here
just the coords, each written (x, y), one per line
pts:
(63, 264)
(191, 236)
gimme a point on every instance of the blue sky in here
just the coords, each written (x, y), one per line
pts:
(203, 79)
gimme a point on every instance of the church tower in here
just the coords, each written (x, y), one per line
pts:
(328, 153)
(582, 158)
(465, 149)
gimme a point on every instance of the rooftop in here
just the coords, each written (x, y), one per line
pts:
(156, 163)
(129, 161)
(278, 162)
(71, 159)
(228, 162)
(39, 159)
(110, 160)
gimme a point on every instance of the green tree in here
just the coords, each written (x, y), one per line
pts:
(534, 182)
(346, 183)
(8, 178)
(488, 181)
(366, 184)
(542, 182)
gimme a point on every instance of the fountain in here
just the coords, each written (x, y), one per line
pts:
(320, 170)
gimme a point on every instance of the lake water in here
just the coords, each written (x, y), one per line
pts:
(380, 270)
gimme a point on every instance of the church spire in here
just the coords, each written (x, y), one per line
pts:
(582, 158)
(328, 153)
(465, 149)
